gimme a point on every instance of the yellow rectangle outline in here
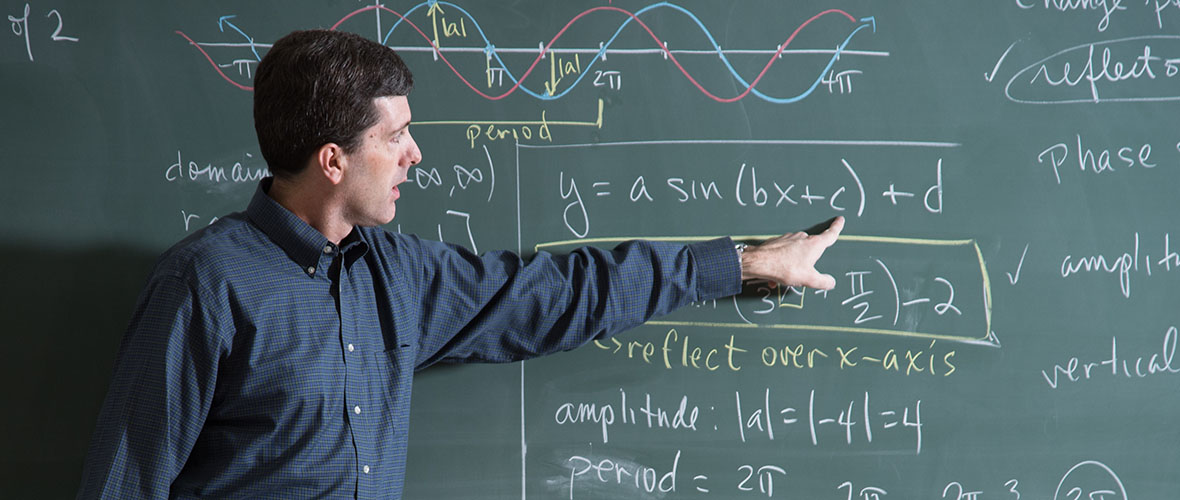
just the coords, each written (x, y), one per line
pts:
(987, 289)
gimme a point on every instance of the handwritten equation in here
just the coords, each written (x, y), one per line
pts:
(930, 289)
(750, 419)
(584, 186)
(756, 421)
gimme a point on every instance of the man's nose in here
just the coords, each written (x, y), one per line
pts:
(415, 153)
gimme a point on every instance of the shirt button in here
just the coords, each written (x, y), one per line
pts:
(311, 270)
(356, 410)
(327, 248)
(351, 348)
(366, 469)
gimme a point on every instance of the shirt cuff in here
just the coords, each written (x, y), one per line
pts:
(719, 272)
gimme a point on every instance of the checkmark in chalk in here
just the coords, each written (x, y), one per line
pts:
(991, 76)
(1013, 279)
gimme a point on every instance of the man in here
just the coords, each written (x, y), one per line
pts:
(271, 354)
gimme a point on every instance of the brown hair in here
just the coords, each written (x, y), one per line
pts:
(316, 87)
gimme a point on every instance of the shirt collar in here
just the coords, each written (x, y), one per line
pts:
(301, 242)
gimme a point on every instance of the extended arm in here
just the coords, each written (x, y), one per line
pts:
(498, 307)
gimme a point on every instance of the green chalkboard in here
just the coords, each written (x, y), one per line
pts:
(1004, 324)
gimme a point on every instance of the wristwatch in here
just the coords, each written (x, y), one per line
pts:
(740, 248)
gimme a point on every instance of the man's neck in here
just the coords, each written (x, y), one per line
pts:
(312, 205)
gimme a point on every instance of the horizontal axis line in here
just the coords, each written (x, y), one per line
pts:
(784, 142)
(609, 52)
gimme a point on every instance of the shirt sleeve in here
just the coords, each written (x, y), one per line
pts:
(159, 396)
(499, 308)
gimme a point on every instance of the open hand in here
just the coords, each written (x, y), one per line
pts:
(790, 259)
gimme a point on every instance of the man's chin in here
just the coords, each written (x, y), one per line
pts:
(378, 219)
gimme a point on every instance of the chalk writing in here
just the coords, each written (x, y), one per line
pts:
(750, 190)
(945, 298)
(684, 417)
(632, 475)
(449, 29)
(841, 81)
(1090, 480)
(865, 493)
(517, 130)
(1103, 160)
(611, 79)
(1162, 7)
(559, 68)
(20, 28)
(1123, 70)
(679, 351)
(852, 421)
(210, 173)
(459, 179)
(959, 493)
(1081, 370)
(595, 474)
(755, 419)
(189, 218)
(1104, 7)
(1128, 264)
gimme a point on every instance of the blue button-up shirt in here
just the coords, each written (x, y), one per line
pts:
(264, 361)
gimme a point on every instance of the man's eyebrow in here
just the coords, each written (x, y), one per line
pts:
(401, 127)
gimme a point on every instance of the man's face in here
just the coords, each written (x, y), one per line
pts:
(382, 161)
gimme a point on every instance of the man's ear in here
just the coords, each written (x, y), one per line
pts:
(330, 161)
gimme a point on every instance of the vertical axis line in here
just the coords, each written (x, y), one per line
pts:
(523, 444)
(377, 3)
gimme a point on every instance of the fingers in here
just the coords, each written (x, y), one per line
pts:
(824, 282)
(833, 231)
(817, 280)
(828, 237)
